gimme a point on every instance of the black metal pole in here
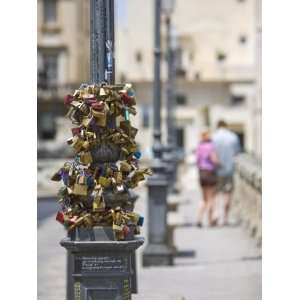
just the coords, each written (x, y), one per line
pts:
(157, 251)
(97, 41)
(169, 149)
(110, 43)
(170, 87)
(157, 146)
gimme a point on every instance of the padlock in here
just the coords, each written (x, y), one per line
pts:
(84, 108)
(124, 151)
(98, 203)
(116, 227)
(100, 116)
(76, 131)
(88, 220)
(118, 177)
(86, 121)
(104, 182)
(76, 104)
(60, 217)
(137, 176)
(85, 145)
(86, 158)
(134, 218)
(76, 93)
(125, 166)
(77, 143)
(102, 93)
(57, 176)
(137, 230)
(98, 106)
(140, 221)
(80, 186)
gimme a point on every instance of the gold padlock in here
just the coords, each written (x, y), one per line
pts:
(116, 227)
(102, 93)
(77, 143)
(100, 117)
(76, 93)
(133, 132)
(104, 182)
(86, 121)
(85, 145)
(80, 187)
(86, 158)
(84, 108)
(137, 176)
(133, 217)
(125, 166)
(124, 151)
(98, 203)
(88, 220)
(118, 177)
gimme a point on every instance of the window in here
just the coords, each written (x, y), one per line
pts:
(221, 56)
(197, 76)
(243, 39)
(50, 11)
(178, 57)
(181, 99)
(180, 138)
(237, 99)
(48, 74)
(138, 56)
(46, 126)
(180, 70)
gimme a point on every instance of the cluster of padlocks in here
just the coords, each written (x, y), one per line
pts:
(97, 183)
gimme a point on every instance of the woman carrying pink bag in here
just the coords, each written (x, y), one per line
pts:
(207, 163)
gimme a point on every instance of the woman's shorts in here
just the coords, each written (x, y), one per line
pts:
(207, 178)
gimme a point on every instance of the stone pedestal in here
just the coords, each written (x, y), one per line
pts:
(102, 267)
(157, 252)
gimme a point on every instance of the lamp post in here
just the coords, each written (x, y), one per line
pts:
(99, 34)
(157, 251)
(98, 265)
(170, 156)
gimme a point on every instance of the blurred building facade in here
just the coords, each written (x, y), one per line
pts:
(62, 56)
(217, 61)
(216, 65)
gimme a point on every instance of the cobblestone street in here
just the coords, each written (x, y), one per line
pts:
(226, 264)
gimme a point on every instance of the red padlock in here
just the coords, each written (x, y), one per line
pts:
(60, 217)
(76, 131)
(99, 106)
(90, 99)
(126, 230)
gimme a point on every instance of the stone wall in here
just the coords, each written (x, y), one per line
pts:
(247, 204)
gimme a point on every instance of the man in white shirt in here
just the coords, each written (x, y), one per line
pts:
(227, 147)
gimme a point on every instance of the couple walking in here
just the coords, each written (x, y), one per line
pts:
(215, 161)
